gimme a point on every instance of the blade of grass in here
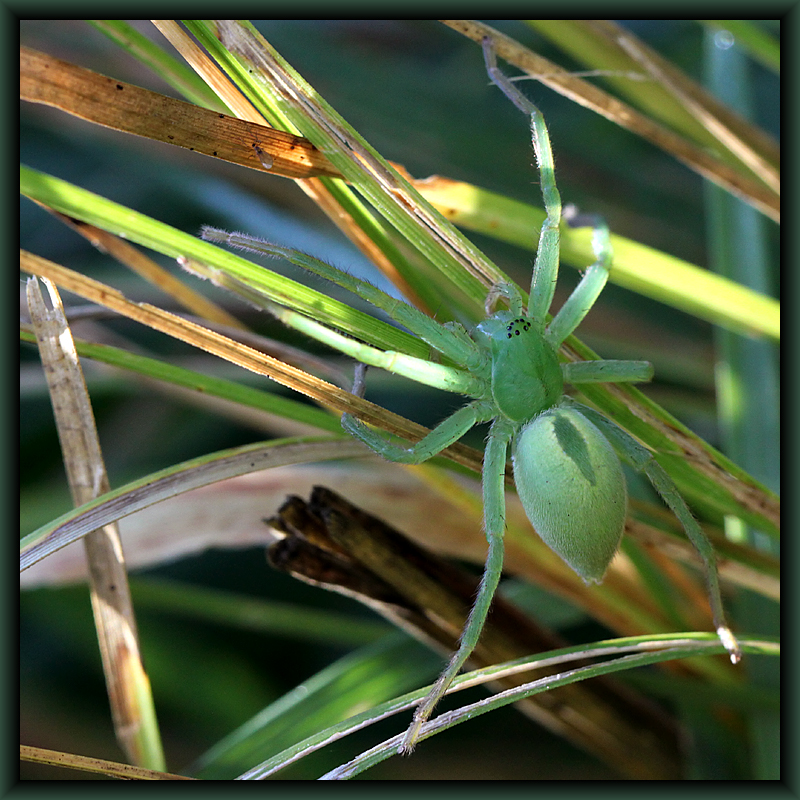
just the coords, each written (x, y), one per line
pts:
(367, 676)
(668, 644)
(334, 199)
(747, 391)
(76, 202)
(282, 95)
(637, 267)
(98, 766)
(145, 267)
(667, 95)
(122, 106)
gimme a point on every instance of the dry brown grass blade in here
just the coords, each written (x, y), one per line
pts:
(131, 109)
(39, 755)
(196, 335)
(610, 45)
(586, 94)
(194, 55)
(731, 131)
(126, 680)
(332, 543)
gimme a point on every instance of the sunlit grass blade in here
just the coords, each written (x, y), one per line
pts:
(110, 216)
(642, 269)
(286, 98)
(336, 199)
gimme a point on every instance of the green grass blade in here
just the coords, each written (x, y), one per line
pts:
(748, 390)
(449, 719)
(283, 96)
(641, 269)
(668, 646)
(366, 677)
(174, 72)
(112, 217)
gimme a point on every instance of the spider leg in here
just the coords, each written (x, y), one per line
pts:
(643, 461)
(511, 293)
(458, 349)
(578, 304)
(494, 514)
(443, 435)
(545, 268)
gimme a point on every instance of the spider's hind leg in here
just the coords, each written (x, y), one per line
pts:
(642, 460)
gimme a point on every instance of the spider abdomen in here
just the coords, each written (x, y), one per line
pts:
(571, 485)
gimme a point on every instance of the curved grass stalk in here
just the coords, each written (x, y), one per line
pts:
(202, 471)
(669, 647)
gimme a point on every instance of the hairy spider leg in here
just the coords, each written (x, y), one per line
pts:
(545, 268)
(451, 341)
(442, 436)
(583, 297)
(642, 460)
(494, 521)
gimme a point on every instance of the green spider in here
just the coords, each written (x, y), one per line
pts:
(566, 456)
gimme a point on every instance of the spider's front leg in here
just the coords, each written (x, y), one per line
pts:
(545, 269)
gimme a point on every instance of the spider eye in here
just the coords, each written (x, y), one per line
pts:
(513, 329)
